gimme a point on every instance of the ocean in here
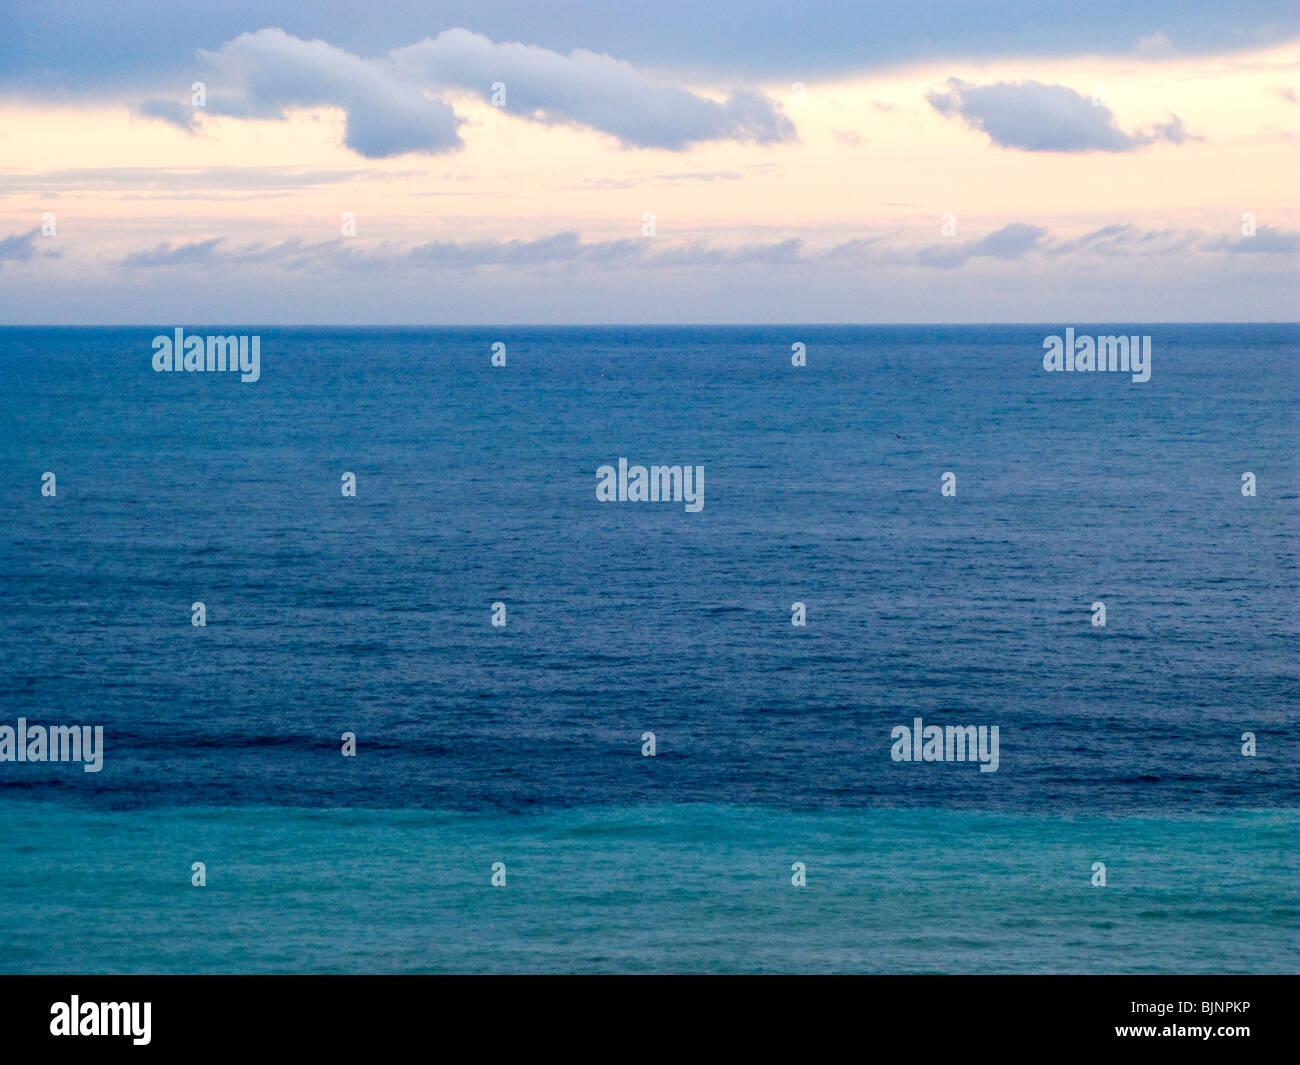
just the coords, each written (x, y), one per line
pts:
(774, 744)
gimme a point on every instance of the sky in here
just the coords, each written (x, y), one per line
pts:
(584, 162)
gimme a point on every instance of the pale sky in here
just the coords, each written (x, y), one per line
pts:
(983, 170)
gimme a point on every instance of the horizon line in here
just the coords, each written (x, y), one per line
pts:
(620, 325)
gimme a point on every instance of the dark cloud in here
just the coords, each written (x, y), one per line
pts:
(1035, 117)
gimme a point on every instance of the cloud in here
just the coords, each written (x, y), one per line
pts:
(396, 104)
(1172, 132)
(273, 73)
(292, 254)
(1106, 239)
(561, 247)
(856, 249)
(703, 175)
(140, 45)
(177, 180)
(1122, 240)
(1279, 133)
(169, 111)
(1267, 240)
(1012, 241)
(567, 250)
(1154, 46)
(568, 247)
(20, 247)
(1035, 117)
(588, 89)
(181, 255)
(649, 178)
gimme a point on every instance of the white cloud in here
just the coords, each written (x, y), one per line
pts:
(396, 104)
(1035, 117)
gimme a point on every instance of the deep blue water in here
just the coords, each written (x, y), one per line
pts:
(476, 484)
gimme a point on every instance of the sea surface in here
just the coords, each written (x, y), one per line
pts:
(522, 744)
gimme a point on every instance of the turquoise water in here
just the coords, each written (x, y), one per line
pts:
(687, 888)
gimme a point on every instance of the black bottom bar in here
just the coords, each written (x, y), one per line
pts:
(347, 1014)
